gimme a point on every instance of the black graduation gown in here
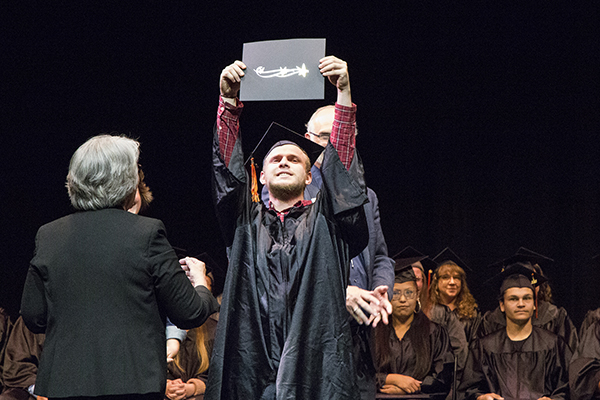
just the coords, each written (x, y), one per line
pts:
(528, 369)
(591, 317)
(584, 371)
(403, 358)
(283, 329)
(471, 325)
(550, 317)
(443, 316)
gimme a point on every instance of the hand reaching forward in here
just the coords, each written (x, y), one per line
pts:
(368, 306)
(195, 270)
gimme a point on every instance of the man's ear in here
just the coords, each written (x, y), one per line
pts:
(308, 179)
(501, 305)
(262, 177)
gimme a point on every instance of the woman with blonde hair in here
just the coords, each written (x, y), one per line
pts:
(449, 288)
(187, 373)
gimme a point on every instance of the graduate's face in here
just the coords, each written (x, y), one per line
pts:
(285, 172)
(404, 301)
(449, 283)
(517, 304)
(419, 274)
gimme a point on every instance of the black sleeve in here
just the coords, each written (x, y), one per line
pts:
(346, 192)
(473, 382)
(383, 267)
(440, 376)
(229, 187)
(584, 370)
(187, 308)
(557, 371)
(34, 307)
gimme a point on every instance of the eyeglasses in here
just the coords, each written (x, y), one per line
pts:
(409, 294)
(447, 277)
(324, 135)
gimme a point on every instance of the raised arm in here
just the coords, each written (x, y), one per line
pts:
(230, 108)
(344, 122)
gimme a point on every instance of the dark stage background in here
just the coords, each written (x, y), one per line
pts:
(478, 120)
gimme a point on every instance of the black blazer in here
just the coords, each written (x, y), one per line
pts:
(100, 285)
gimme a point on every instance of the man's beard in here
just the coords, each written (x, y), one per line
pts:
(285, 192)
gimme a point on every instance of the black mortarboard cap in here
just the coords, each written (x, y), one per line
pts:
(278, 135)
(533, 257)
(518, 274)
(404, 273)
(410, 255)
(218, 273)
(524, 255)
(448, 255)
(180, 252)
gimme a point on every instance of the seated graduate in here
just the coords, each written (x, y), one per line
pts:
(591, 317)
(412, 353)
(21, 362)
(421, 265)
(187, 373)
(5, 327)
(521, 361)
(584, 371)
(547, 315)
(449, 288)
(451, 304)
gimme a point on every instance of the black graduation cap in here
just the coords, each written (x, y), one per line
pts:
(213, 268)
(524, 255)
(518, 274)
(278, 135)
(534, 258)
(448, 255)
(404, 273)
(180, 252)
(410, 255)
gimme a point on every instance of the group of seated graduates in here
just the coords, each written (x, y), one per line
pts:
(437, 341)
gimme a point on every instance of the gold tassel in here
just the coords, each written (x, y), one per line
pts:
(429, 279)
(255, 197)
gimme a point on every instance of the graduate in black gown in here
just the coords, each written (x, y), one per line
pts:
(521, 361)
(413, 354)
(283, 330)
(449, 288)
(548, 316)
(584, 371)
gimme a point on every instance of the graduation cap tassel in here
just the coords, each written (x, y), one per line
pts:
(429, 279)
(255, 197)
(533, 282)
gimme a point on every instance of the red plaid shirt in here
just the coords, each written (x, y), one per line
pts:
(342, 134)
(282, 214)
